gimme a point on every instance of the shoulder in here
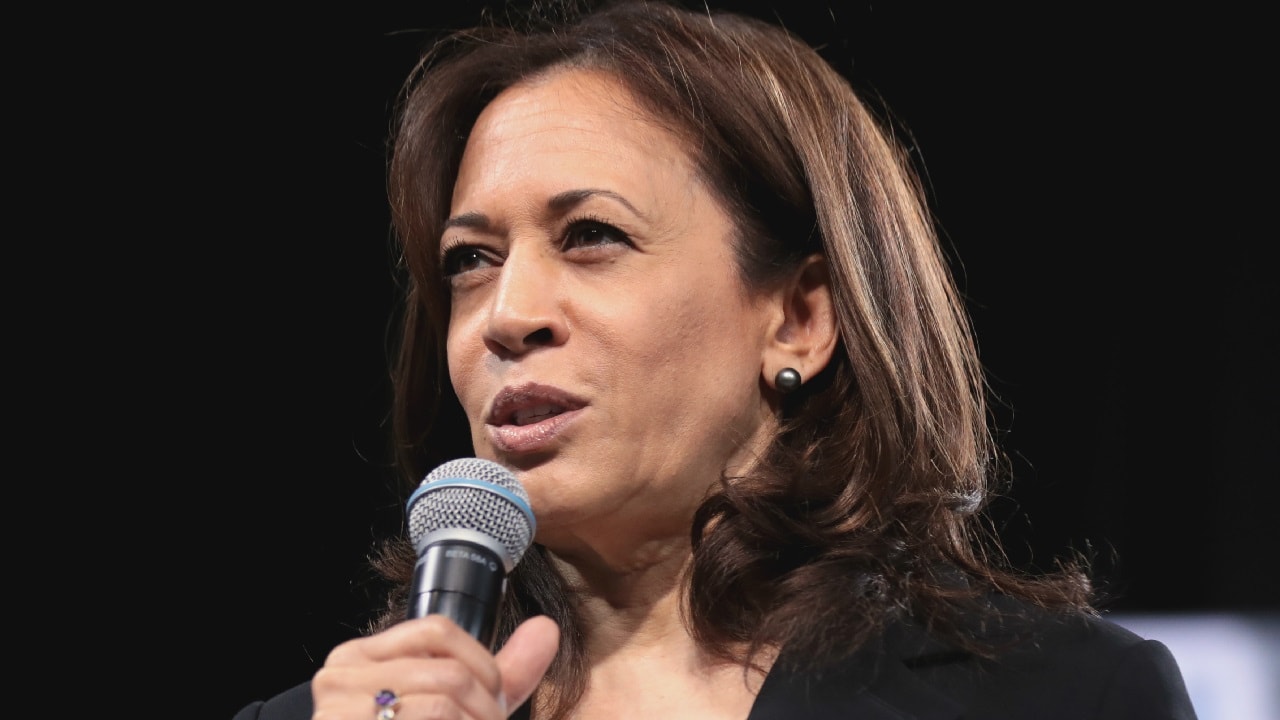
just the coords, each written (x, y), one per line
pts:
(292, 704)
(1046, 666)
(1059, 665)
(1084, 662)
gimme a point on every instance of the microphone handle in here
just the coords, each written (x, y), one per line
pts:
(463, 581)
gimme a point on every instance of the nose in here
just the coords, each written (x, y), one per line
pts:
(525, 313)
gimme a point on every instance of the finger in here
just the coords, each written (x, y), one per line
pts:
(524, 659)
(432, 636)
(424, 687)
(444, 683)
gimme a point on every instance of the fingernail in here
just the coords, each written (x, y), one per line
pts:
(502, 701)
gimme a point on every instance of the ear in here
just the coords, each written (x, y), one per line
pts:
(804, 333)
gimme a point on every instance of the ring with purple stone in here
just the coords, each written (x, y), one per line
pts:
(387, 702)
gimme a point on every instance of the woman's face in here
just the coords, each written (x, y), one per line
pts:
(600, 340)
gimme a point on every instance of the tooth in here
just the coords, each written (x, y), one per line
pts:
(535, 414)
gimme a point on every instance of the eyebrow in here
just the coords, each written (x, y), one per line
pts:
(468, 220)
(559, 204)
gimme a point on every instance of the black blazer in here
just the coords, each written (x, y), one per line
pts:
(1083, 668)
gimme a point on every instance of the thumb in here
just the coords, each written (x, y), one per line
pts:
(525, 658)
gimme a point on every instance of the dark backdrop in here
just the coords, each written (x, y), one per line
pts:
(1093, 172)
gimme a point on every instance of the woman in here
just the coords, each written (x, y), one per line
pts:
(666, 267)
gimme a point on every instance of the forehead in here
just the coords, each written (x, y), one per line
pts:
(571, 126)
(576, 99)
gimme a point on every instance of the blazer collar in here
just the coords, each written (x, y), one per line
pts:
(878, 682)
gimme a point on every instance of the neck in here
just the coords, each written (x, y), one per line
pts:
(642, 659)
(631, 604)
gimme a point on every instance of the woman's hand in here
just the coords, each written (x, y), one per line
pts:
(436, 670)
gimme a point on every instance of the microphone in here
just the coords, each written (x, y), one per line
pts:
(470, 523)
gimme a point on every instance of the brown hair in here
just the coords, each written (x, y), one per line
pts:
(869, 501)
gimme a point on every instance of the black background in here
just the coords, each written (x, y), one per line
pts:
(1099, 176)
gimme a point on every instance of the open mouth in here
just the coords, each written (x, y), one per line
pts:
(529, 416)
(530, 404)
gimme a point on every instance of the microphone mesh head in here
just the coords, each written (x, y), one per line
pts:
(474, 494)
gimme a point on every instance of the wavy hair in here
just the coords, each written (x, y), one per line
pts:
(869, 502)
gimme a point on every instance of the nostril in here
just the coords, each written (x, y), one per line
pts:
(541, 336)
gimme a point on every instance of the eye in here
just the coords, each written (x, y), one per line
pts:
(590, 232)
(465, 258)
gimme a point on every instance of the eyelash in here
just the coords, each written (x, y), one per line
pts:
(453, 256)
(592, 222)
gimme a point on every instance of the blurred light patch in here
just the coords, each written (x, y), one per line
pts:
(1230, 661)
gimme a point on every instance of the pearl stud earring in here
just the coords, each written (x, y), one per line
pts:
(787, 380)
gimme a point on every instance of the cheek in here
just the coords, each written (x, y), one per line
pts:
(464, 364)
(707, 319)
(706, 342)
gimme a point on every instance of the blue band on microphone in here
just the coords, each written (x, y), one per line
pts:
(498, 490)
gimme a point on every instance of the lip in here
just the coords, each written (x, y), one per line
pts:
(513, 401)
